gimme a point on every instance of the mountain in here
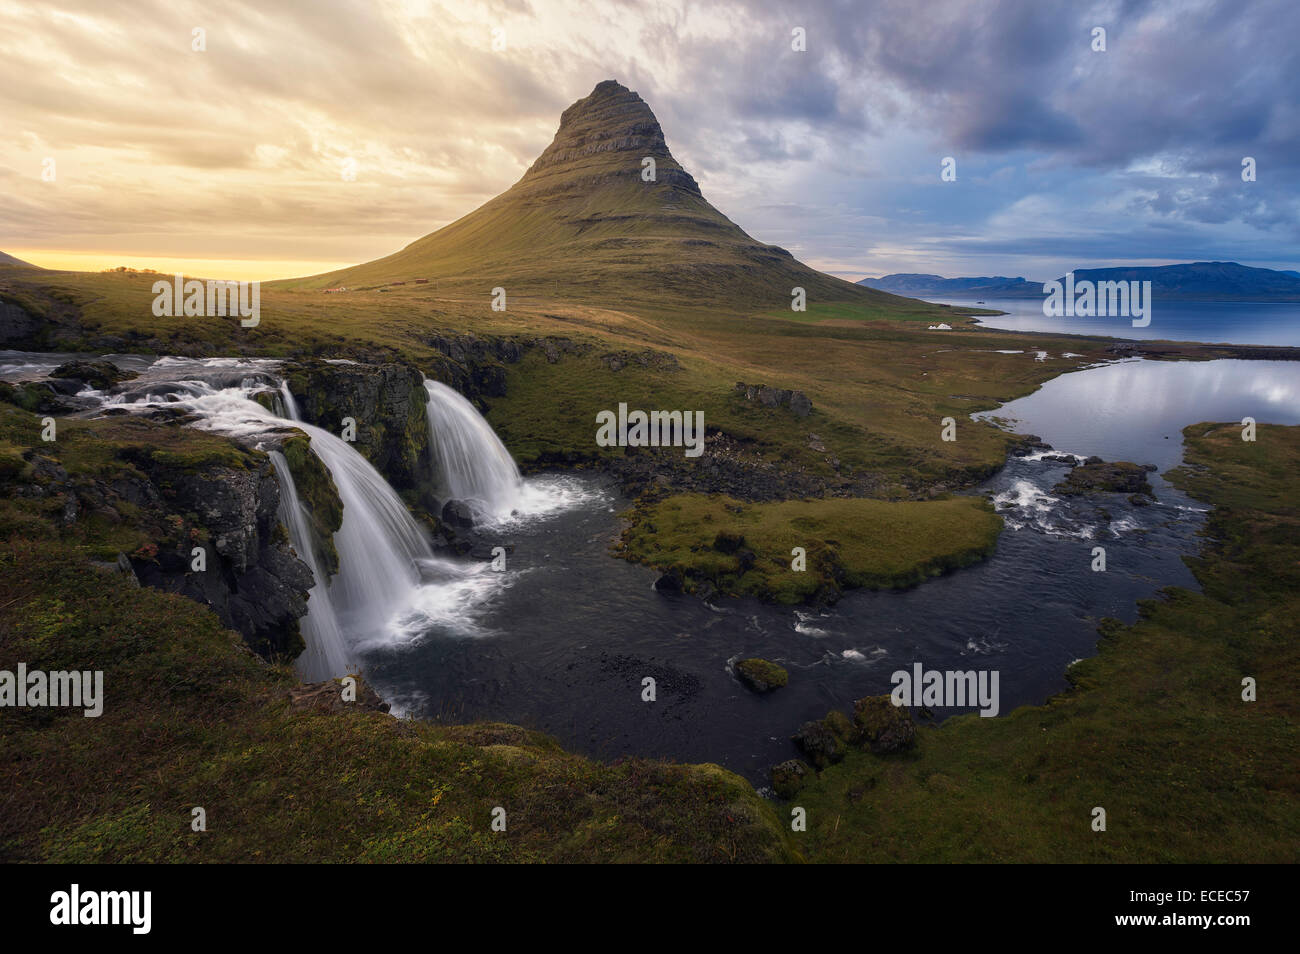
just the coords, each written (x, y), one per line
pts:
(582, 222)
(914, 285)
(10, 260)
(1195, 281)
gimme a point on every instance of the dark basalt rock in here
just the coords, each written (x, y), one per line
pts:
(387, 402)
(97, 374)
(1098, 476)
(458, 514)
(670, 582)
(820, 742)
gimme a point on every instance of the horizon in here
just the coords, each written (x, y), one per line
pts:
(833, 152)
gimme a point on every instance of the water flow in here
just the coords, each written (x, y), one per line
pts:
(379, 543)
(473, 464)
(381, 549)
(326, 654)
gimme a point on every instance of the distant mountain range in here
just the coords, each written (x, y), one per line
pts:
(1195, 281)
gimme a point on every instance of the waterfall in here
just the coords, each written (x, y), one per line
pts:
(473, 464)
(326, 654)
(379, 543)
(382, 551)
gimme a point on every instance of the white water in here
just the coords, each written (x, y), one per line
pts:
(473, 465)
(326, 654)
(389, 588)
(382, 551)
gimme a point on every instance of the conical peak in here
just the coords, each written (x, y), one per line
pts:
(614, 126)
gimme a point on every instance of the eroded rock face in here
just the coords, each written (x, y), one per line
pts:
(387, 403)
(611, 119)
(251, 577)
(253, 581)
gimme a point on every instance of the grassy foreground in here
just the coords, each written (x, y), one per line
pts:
(1155, 730)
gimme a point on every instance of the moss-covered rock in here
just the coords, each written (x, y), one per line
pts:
(97, 374)
(789, 777)
(823, 741)
(761, 675)
(387, 403)
(883, 727)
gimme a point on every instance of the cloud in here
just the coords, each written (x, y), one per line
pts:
(834, 151)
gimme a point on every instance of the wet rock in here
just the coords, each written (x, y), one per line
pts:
(1097, 476)
(761, 675)
(670, 582)
(883, 727)
(387, 403)
(98, 374)
(458, 514)
(820, 743)
(789, 777)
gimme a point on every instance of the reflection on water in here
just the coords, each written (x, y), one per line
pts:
(1136, 410)
(1264, 323)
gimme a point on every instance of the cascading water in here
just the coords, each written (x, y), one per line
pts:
(389, 588)
(379, 543)
(473, 464)
(382, 551)
(326, 652)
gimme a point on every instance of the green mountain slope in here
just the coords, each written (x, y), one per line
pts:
(582, 222)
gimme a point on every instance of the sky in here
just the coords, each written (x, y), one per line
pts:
(266, 139)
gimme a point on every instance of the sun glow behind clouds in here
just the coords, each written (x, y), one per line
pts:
(244, 270)
(234, 156)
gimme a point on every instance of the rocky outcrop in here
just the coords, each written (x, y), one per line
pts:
(386, 401)
(882, 727)
(825, 741)
(612, 119)
(222, 514)
(789, 777)
(760, 675)
(797, 402)
(20, 328)
(1095, 476)
(96, 374)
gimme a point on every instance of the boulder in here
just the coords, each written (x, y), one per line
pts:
(883, 727)
(761, 675)
(820, 742)
(1097, 476)
(458, 514)
(97, 374)
(789, 777)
